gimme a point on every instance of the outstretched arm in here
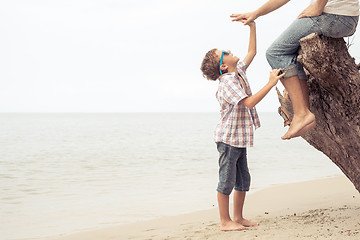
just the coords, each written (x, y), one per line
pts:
(252, 45)
(314, 9)
(268, 7)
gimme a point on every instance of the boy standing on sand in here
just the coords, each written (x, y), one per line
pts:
(235, 131)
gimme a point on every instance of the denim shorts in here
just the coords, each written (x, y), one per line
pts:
(283, 52)
(233, 169)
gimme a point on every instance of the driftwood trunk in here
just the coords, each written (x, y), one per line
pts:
(334, 90)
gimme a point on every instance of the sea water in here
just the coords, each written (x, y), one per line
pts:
(66, 172)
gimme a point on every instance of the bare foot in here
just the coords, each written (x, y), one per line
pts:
(247, 223)
(297, 124)
(231, 226)
(305, 129)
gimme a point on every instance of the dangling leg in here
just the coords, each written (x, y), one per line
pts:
(282, 54)
(300, 100)
(305, 91)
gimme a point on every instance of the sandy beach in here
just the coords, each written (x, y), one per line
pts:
(321, 209)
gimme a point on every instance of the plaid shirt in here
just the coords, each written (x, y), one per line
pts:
(236, 123)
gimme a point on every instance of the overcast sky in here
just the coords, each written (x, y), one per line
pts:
(127, 56)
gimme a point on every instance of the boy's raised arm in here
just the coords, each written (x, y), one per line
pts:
(252, 45)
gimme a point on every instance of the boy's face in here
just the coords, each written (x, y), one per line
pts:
(228, 59)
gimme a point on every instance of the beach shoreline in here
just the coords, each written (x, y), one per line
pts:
(319, 209)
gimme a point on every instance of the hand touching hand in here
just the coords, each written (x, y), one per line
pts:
(245, 18)
(274, 76)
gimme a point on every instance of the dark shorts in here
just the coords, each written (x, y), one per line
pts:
(233, 169)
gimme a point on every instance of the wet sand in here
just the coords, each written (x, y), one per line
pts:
(321, 209)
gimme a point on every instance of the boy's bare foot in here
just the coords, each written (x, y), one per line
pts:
(247, 223)
(231, 226)
(297, 124)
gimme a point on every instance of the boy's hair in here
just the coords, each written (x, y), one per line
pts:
(210, 65)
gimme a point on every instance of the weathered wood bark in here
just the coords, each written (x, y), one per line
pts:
(334, 89)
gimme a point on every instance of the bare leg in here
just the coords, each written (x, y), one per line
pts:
(239, 198)
(302, 114)
(226, 223)
(305, 91)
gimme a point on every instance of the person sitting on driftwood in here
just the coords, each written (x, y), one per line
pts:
(332, 18)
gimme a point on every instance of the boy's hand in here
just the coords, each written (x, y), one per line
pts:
(274, 76)
(251, 24)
